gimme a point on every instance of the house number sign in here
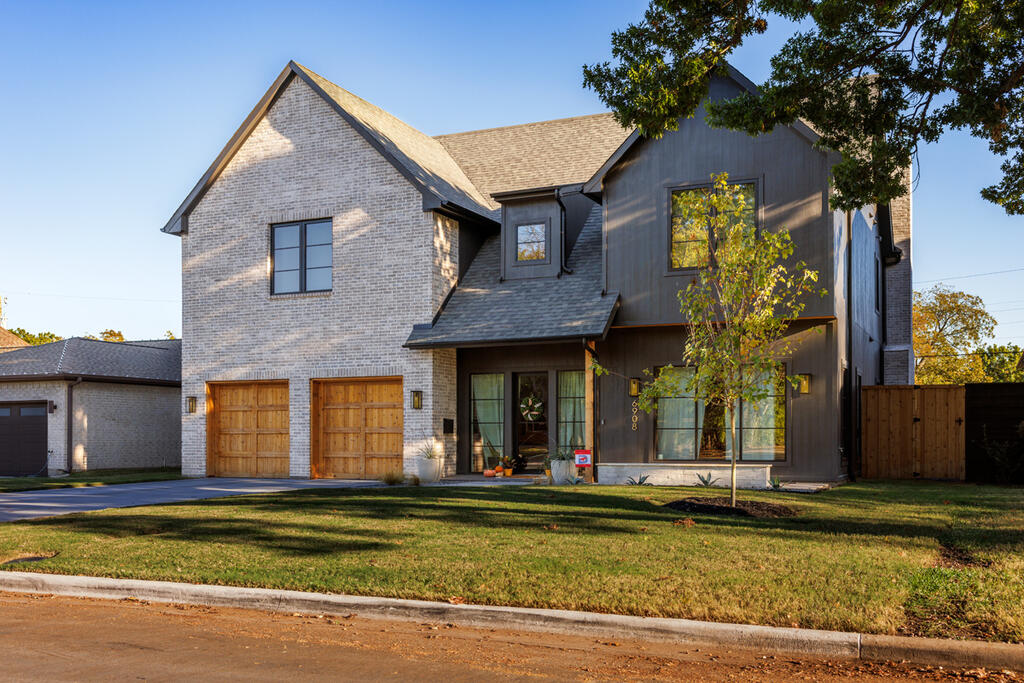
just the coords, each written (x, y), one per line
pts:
(636, 417)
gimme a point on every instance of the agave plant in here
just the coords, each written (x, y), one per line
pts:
(706, 480)
(640, 481)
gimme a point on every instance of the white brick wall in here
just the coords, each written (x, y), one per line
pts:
(898, 355)
(114, 426)
(391, 264)
(126, 425)
(56, 437)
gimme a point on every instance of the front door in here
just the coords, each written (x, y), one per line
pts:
(532, 409)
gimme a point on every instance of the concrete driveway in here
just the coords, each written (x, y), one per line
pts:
(30, 504)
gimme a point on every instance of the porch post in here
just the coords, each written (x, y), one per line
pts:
(589, 392)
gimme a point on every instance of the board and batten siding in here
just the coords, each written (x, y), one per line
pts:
(792, 180)
(392, 267)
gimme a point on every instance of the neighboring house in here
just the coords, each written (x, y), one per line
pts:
(10, 341)
(82, 404)
(354, 289)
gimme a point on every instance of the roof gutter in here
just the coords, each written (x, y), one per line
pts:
(69, 421)
(65, 377)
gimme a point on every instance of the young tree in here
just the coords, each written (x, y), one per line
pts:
(738, 306)
(948, 329)
(874, 79)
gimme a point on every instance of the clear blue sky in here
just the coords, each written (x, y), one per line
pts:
(112, 111)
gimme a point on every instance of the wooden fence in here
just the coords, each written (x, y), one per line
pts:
(912, 432)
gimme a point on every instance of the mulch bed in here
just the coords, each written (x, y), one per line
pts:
(720, 506)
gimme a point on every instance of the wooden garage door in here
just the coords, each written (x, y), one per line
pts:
(356, 427)
(247, 429)
(22, 439)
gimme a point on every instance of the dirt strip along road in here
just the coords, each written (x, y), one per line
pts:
(47, 638)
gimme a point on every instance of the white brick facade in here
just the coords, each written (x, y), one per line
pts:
(125, 425)
(393, 266)
(898, 354)
(114, 426)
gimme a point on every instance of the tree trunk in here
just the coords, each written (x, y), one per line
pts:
(732, 456)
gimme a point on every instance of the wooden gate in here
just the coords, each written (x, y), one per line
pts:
(912, 432)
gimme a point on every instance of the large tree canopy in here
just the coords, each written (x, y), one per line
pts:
(949, 327)
(874, 79)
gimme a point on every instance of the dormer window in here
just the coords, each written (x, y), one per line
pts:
(532, 242)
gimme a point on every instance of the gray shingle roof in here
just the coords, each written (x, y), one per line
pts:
(543, 154)
(424, 157)
(152, 361)
(483, 310)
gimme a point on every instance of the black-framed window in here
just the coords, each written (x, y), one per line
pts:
(32, 411)
(487, 419)
(5, 412)
(302, 257)
(689, 242)
(571, 409)
(688, 429)
(531, 242)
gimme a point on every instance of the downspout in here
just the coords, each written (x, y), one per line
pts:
(850, 398)
(562, 268)
(69, 420)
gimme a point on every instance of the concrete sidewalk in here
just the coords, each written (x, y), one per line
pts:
(46, 503)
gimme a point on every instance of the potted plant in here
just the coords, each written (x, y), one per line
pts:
(547, 466)
(507, 465)
(431, 461)
(562, 466)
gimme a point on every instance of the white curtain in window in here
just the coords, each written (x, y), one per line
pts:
(488, 394)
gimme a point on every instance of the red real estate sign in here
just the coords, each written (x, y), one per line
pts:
(583, 458)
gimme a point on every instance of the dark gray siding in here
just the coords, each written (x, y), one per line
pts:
(792, 182)
(519, 212)
(812, 439)
(548, 358)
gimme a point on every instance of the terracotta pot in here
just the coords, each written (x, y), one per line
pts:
(508, 472)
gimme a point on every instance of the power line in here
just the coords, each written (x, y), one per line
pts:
(80, 296)
(964, 277)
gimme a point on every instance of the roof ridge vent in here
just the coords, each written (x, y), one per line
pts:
(60, 363)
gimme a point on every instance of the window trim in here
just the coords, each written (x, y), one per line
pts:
(786, 393)
(302, 255)
(546, 222)
(756, 181)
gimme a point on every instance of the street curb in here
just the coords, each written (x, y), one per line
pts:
(798, 641)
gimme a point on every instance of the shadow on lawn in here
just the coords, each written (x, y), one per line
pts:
(315, 522)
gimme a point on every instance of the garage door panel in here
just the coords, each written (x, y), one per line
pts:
(357, 427)
(248, 429)
(384, 418)
(22, 439)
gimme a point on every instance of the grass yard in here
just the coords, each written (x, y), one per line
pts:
(920, 558)
(94, 478)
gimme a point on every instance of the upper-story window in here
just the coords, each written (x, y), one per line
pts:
(531, 242)
(302, 256)
(689, 241)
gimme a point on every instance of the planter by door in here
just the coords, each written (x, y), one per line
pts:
(561, 471)
(430, 470)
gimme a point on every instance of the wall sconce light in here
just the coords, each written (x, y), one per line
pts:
(417, 400)
(51, 407)
(803, 384)
(634, 386)
(190, 402)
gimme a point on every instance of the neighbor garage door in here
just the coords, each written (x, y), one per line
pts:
(22, 439)
(356, 427)
(247, 429)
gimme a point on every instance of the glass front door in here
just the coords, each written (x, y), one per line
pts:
(531, 421)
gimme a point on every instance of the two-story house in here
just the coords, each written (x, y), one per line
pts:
(353, 289)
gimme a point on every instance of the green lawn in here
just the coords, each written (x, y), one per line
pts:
(94, 478)
(863, 557)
